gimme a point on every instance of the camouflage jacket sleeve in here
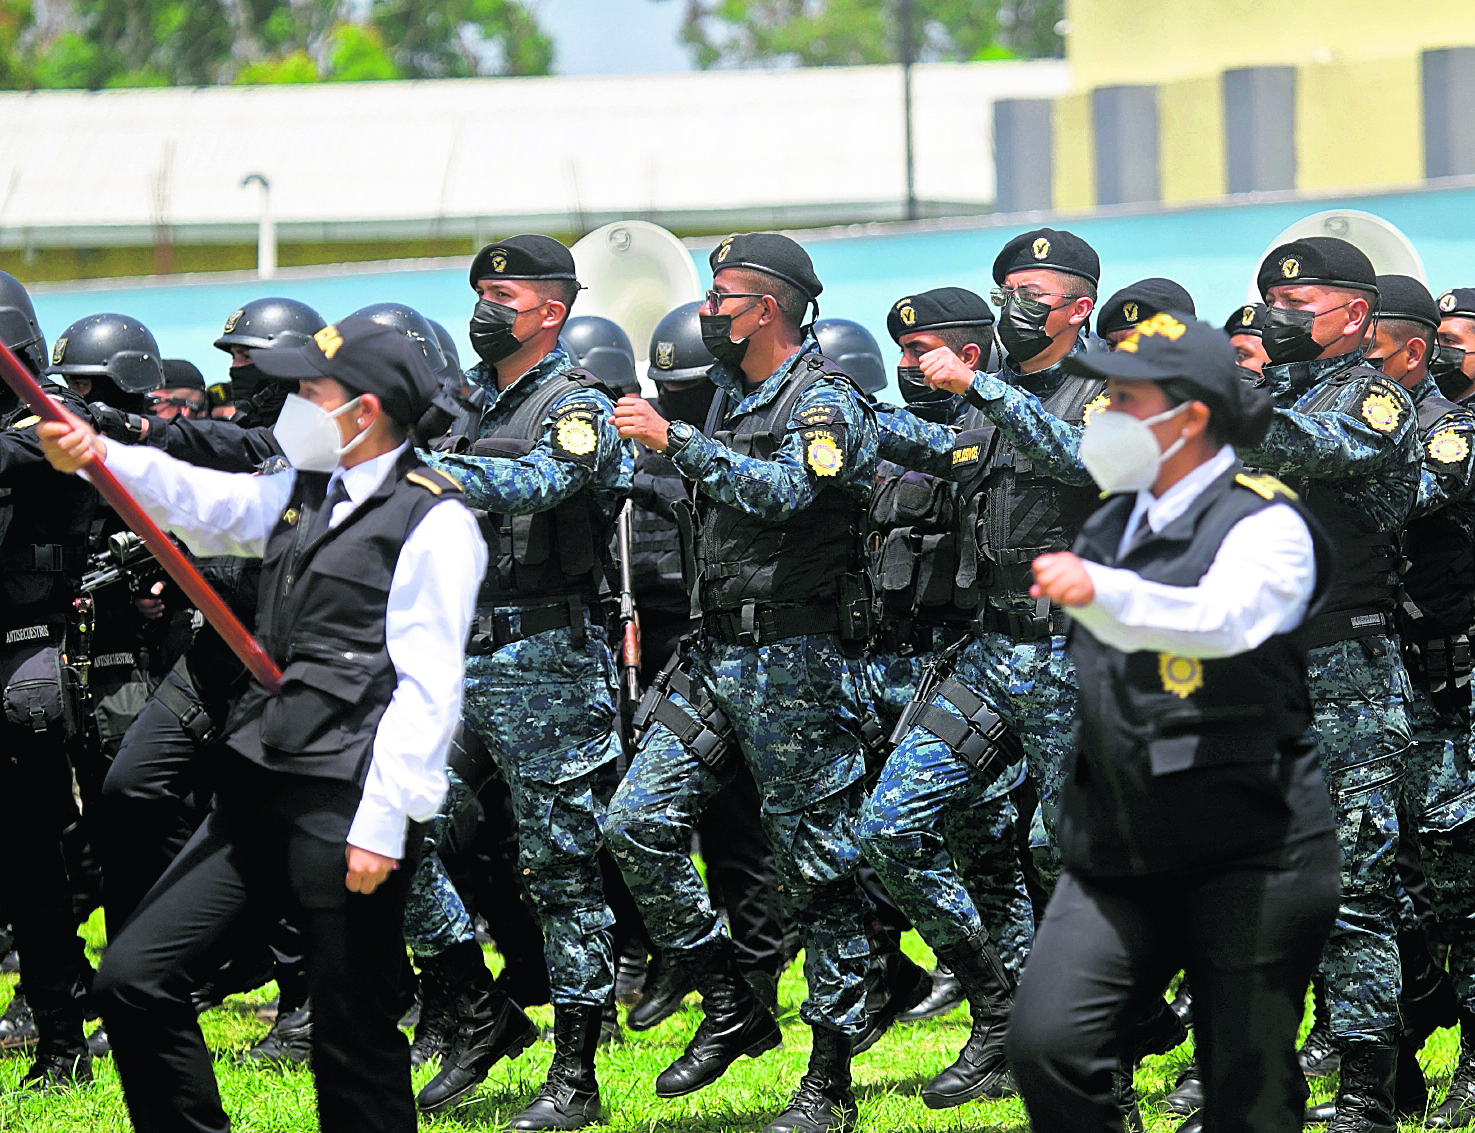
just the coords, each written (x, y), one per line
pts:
(577, 448)
(1335, 444)
(1054, 445)
(831, 442)
(907, 440)
(1447, 463)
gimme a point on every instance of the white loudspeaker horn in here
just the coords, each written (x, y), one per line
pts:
(634, 273)
(1389, 249)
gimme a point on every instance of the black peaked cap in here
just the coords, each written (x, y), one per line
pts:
(937, 309)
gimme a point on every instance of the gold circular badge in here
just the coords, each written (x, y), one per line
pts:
(1182, 676)
(1381, 412)
(723, 249)
(1247, 317)
(823, 455)
(576, 435)
(1041, 248)
(1290, 267)
(1448, 446)
(1093, 407)
(907, 315)
(1129, 312)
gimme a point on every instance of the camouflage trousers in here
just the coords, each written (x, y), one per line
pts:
(794, 708)
(1358, 694)
(546, 711)
(937, 832)
(435, 915)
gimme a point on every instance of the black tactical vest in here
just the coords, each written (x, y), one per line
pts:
(1182, 760)
(912, 555)
(1361, 599)
(798, 561)
(656, 562)
(554, 554)
(321, 618)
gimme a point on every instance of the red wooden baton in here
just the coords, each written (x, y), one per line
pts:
(179, 568)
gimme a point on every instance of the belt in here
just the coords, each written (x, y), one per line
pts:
(1345, 625)
(758, 625)
(492, 631)
(42, 557)
(1046, 620)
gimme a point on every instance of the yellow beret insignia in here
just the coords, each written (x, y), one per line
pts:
(907, 315)
(1041, 248)
(1182, 676)
(575, 434)
(1448, 446)
(328, 340)
(231, 320)
(823, 454)
(665, 355)
(1129, 312)
(1381, 411)
(1447, 301)
(723, 249)
(291, 516)
(1247, 317)
(1290, 267)
(1093, 407)
(58, 351)
(499, 261)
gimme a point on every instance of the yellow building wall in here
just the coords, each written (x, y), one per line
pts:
(1142, 41)
(1360, 122)
(1074, 157)
(1191, 139)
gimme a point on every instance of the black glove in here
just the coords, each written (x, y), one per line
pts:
(116, 425)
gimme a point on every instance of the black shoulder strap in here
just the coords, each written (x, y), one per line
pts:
(1434, 409)
(527, 419)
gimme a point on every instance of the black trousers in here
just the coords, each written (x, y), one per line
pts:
(1248, 934)
(269, 835)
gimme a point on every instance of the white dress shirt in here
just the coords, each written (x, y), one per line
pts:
(1258, 585)
(432, 599)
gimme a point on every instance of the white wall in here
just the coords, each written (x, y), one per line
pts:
(365, 160)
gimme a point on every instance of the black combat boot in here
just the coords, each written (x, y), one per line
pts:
(733, 1022)
(765, 987)
(1364, 1102)
(1187, 1095)
(630, 972)
(897, 985)
(18, 1026)
(666, 985)
(946, 993)
(61, 1054)
(1318, 1055)
(488, 1027)
(979, 1070)
(824, 1103)
(1457, 1111)
(436, 1021)
(288, 1043)
(569, 1098)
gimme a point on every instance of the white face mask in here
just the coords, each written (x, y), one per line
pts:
(309, 434)
(1120, 452)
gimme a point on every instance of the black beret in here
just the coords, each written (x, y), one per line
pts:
(523, 257)
(772, 254)
(1142, 300)
(1048, 248)
(1321, 260)
(180, 373)
(933, 310)
(1458, 301)
(1193, 357)
(1404, 298)
(1249, 319)
(367, 357)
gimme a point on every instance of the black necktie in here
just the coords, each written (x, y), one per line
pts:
(337, 494)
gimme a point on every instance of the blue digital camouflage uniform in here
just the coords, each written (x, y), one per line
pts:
(544, 708)
(794, 708)
(1440, 788)
(925, 785)
(435, 915)
(1359, 689)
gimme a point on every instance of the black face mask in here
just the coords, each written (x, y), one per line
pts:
(1287, 335)
(690, 405)
(107, 391)
(491, 331)
(717, 337)
(245, 380)
(1447, 370)
(1022, 334)
(264, 404)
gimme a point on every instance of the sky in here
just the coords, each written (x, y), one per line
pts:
(611, 37)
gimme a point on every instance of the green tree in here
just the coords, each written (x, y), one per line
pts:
(17, 19)
(431, 39)
(817, 33)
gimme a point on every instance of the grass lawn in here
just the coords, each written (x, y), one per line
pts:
(888, 1078)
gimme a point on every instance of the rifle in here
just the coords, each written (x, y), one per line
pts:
(125, 557)
(629, 617)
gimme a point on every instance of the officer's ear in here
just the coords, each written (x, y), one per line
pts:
(1080, 310)
(1418, 350)
(370, 410)
(969, 355)
(555, 311)
(1359, 311)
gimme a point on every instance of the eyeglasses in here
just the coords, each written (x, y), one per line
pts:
(1030, 302)
(714, 298)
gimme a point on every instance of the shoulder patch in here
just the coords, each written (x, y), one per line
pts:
(25, 422)
(1094, 406)
(433, 480)
(1381, 408)
(819, 415)
(823, 453)
(1264, 485)
(576, 434)
(967, 454)
(1448, 446)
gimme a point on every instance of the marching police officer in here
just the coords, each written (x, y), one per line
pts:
(782, 476)
(1245, 328)
(1119, 316)
(1345, 437)
(1193, 775)
(551, 474)
(43, 547)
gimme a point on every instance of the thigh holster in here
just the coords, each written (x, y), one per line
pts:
(981, 739)
(699, 724)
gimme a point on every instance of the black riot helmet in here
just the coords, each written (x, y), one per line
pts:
(452, 374)
(117, 353)
(405, 319)
(19, 329)
(602, 348)
(854, 349)
(679, 361)
(266, 323)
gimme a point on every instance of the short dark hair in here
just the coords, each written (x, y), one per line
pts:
(1402, 331)
(563, 290)
(955, 338)
(793, 304)
(1077, 285)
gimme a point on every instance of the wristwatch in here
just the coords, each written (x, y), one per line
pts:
(678, 436)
